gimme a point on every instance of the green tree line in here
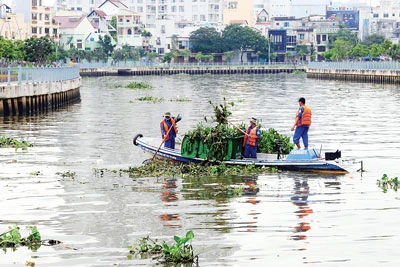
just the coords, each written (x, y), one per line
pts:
(344, 45)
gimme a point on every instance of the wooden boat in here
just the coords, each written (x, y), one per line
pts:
(297, 160)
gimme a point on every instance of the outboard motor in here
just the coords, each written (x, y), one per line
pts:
(333, 155)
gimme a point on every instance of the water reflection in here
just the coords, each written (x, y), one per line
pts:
(168, 196)
(250, 191)
(300, 199)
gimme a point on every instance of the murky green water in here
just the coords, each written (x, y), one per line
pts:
(293, 219)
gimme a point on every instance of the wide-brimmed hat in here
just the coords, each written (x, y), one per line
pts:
(167, 114)
(253, 120)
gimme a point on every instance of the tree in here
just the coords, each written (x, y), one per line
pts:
(345, 35)
(302, 50)
(394, 52)
(168, 57)
(185, 53)
(360, 50)
(229, 55)
(236, 37)
(151, 56)
(113, 28)
(206, 40)
(373, 39)
(106, 44)
(11, 50)
(39, 50)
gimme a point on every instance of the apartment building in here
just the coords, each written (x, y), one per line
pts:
(385, 20)
(40, 18)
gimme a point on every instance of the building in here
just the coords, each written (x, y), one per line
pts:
(40, 18)
(75, 31)
(239, 10)
(291, 8)
(385, 20)
(12, 25)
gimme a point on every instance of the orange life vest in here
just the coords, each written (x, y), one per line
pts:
(252, 136)
(305, 117)
(166, 129)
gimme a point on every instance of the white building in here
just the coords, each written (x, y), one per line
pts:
(291, 8)
(40, 18)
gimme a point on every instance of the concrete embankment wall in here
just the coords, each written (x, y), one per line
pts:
(190, 71)
(352, 75)
(33, 98)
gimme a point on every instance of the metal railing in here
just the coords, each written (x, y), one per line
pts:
(21, 75)
(362, 65)
(138, 64)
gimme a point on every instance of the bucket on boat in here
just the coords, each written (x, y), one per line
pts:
(333, 155)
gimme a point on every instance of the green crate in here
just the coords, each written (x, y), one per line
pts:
(235, 148)
(189, 148)
(232, 150)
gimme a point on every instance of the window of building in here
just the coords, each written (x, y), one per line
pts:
(91, 39)
(47, 31)
(301, 36)
(385, 15)
(173, 9)
(324, 38)
(34, 16)
(46, 17)
(321, 49)
(181, 9)
(129, 31)
(194, 17)
(79, 43)
(34, 30)
(291, 40)
(232, 5)
(140, 9)
(202, 18)
(286, 24)
(376, 15)
(34, 2)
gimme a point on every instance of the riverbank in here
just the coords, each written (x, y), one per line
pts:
(32, 98)
(366, 72)
(191, 70)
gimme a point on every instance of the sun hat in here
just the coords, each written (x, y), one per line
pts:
(253, 120)
(167, 114)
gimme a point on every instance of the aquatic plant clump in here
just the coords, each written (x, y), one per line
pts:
(386, 182)
(14, 143)
(172, 169)
(139, 85)
(12, 238)
(179, 252)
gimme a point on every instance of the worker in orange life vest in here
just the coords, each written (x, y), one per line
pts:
(169, 129)
(251, 139)
(302, 123)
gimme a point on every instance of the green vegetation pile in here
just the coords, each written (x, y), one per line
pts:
(216, 135)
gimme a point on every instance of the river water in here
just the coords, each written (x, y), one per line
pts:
(293, 220)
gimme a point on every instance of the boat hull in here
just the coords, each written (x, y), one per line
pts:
(311, 165)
